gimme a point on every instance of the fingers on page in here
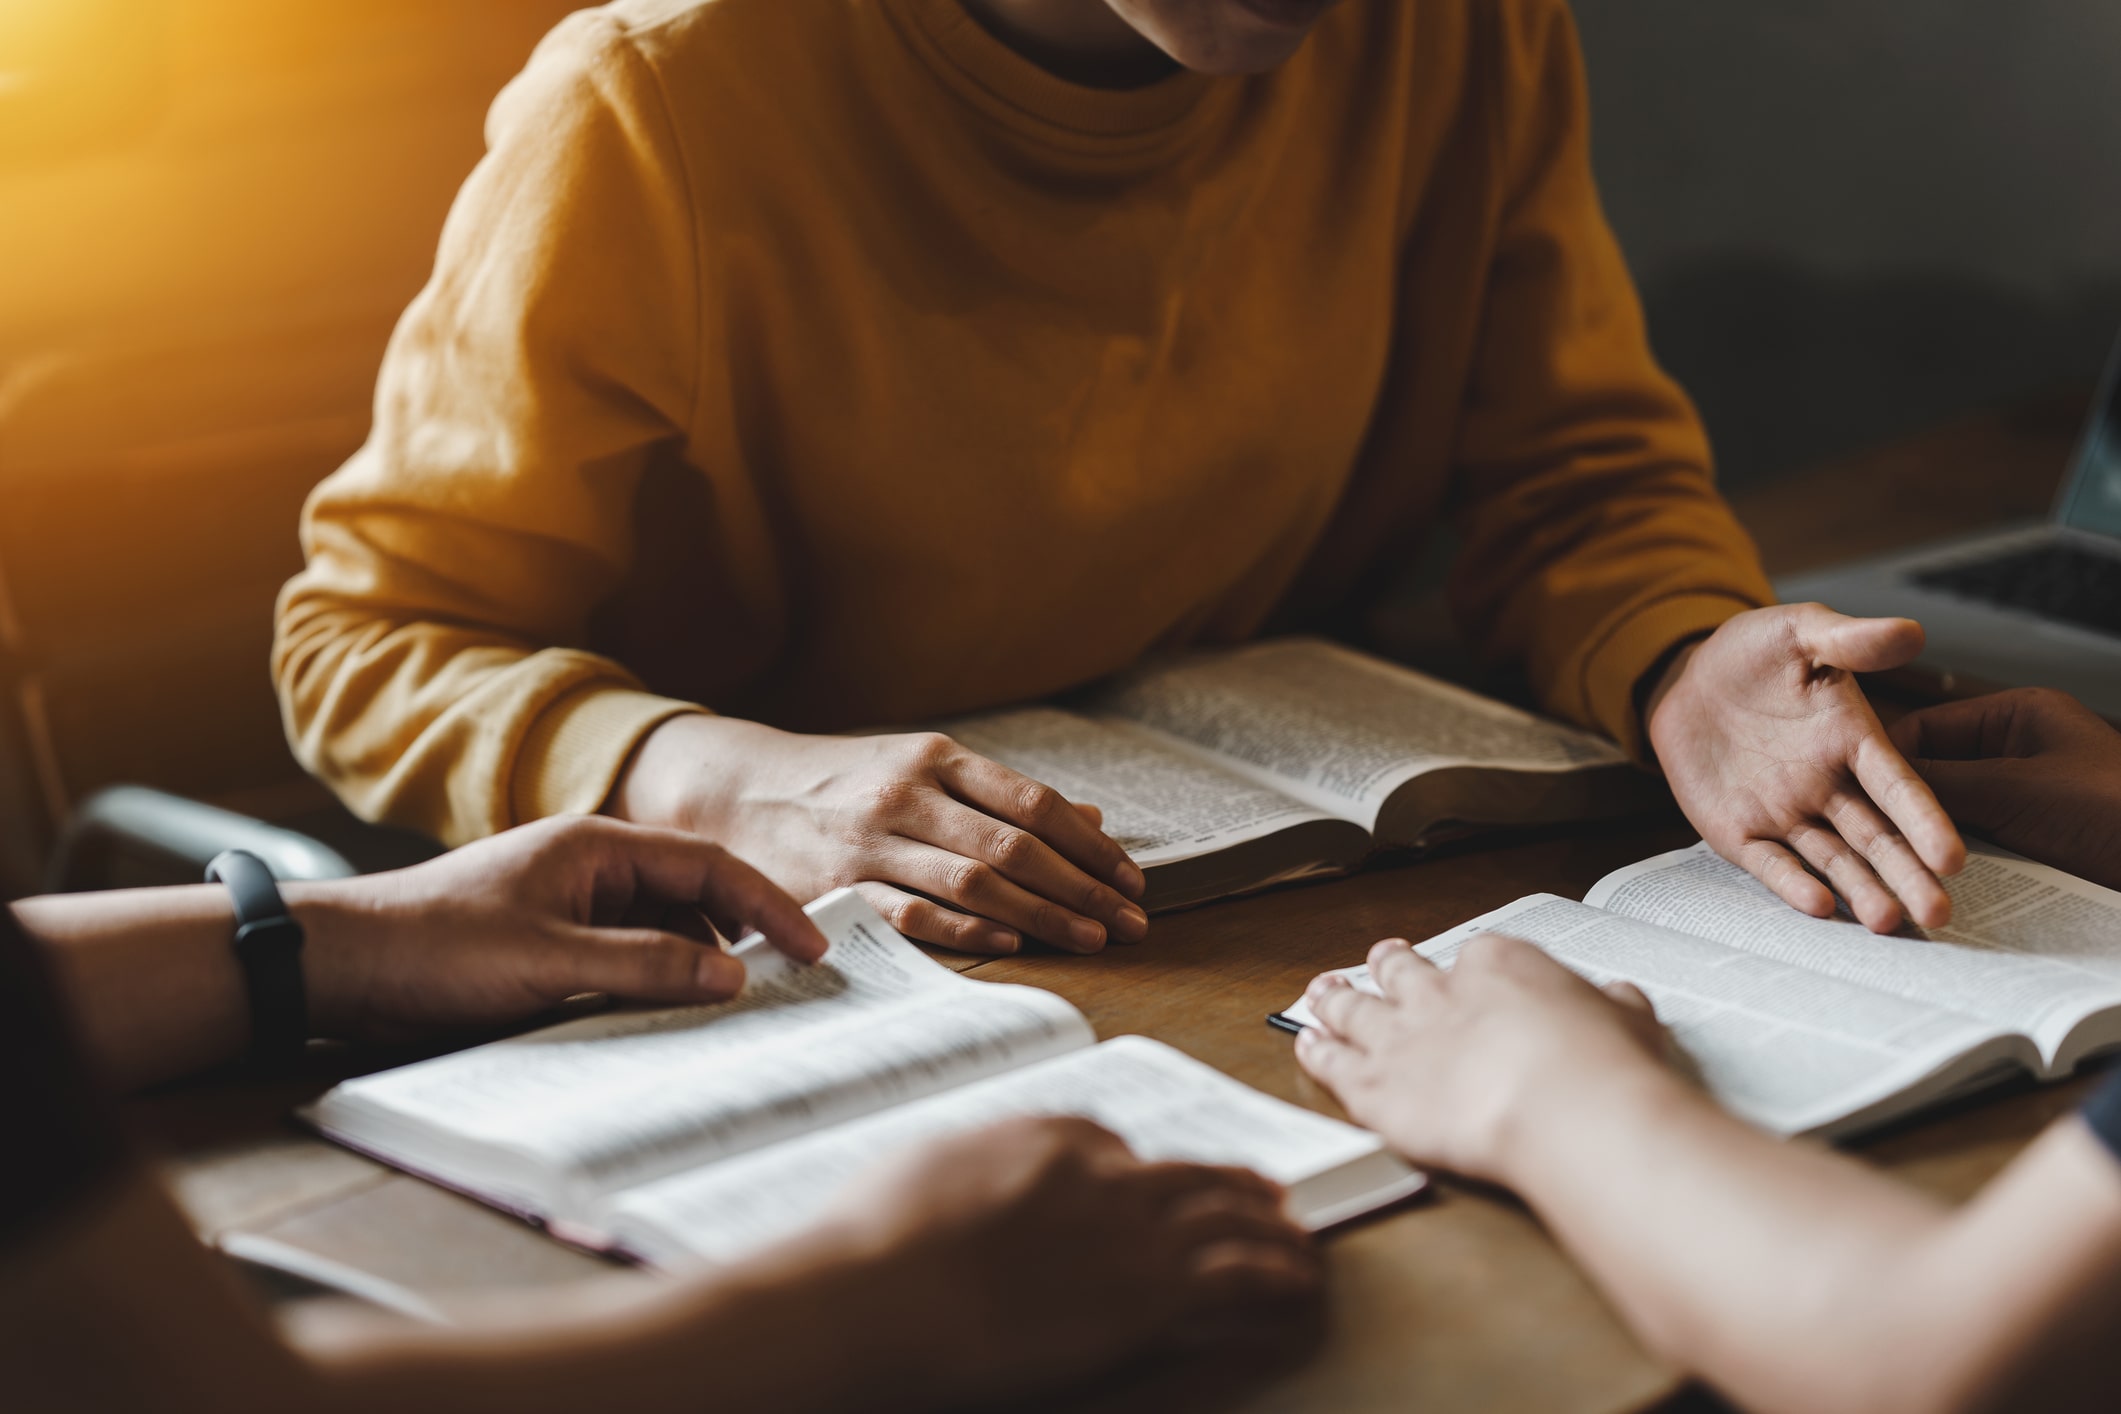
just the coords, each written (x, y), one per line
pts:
(1325, 1057)
(1344, 1011)
(1777, 867)
(1850, 874)
(925, 921)
(1045, 812)
(979, 888)
(1629, 995)
(1396, 968)
(642, 964)
(684, 868)
(1907, 800)
(1903, 871)
(1080, 909)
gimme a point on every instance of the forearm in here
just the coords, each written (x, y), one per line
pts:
(120, 1307)
(151, 975)
(456, 732)
(1780, 1272)
(813, 1326)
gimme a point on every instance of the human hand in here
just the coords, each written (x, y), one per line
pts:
(1053, 1251)
(503, 929)
(1447, 1065)
(2035, 770)
(1776, 756)
(950, 847)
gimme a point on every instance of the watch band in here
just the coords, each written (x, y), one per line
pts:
(268, 944)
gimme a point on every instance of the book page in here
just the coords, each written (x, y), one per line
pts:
(1164, 1104)
(609, 1100)
(1780, 1046)
(2029, 948)
(1336, 729)
(1160, 804)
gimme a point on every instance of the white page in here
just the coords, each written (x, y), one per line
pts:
(2029, 948)
(1336, 729)
(617, 1099)
(1785, 1048)
(1164, 1104)
(1160, 804)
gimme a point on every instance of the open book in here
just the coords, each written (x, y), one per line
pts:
(704, 1133)
(1809, 1025)
(1225, 772)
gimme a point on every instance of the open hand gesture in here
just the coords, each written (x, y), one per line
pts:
(1777, 758)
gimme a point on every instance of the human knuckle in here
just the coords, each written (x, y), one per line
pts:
(905, 914)
(929, 748)
(895, 798)
(964, 878)
(1037, 801)
(1012, 848)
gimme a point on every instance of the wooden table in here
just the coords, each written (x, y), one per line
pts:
(1459, 1301)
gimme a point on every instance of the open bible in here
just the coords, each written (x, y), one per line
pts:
(704, 1133)
(1224, 772)
(1809, 1025)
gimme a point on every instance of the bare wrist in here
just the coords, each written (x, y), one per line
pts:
(1556, 1121)
(342, 924)
(684, 774)
(1657, 685)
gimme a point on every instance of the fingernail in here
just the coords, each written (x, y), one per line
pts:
(1002, 940)
(1086, 933)
(712, 972)
(1131, 880)
(1133, 923)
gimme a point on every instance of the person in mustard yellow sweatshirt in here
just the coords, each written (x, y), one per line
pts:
(792, 366)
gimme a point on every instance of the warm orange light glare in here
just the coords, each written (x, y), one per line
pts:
(76, 73)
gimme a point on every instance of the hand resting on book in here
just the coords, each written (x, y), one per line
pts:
(1774, 753)
(499, 930)
(485, 936)
(950, 847)
(1451, 1066)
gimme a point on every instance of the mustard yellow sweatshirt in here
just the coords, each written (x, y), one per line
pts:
(824, 362)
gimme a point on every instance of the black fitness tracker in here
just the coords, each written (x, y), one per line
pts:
(269, 946)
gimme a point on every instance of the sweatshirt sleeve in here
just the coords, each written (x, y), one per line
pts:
(1592, 539)
(429, 657)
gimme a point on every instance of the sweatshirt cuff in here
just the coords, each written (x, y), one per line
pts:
(1616, 666)
(573, 753)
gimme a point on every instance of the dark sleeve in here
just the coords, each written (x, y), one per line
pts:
(59, 1136)
(2103, 1113)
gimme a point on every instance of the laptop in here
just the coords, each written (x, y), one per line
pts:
(2024, 606)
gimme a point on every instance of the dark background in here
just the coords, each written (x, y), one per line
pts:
(1855, 218)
